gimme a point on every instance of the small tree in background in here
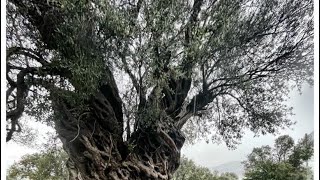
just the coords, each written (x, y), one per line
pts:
(188, 170)
(258, 154)
(47, 165)
(302, 152)
(263, 164)
(283, 147)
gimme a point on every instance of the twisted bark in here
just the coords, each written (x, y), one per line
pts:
(97, 151)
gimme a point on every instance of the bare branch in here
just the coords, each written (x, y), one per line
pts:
(26, 52)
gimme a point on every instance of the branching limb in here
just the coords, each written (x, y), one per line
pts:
(26, 52)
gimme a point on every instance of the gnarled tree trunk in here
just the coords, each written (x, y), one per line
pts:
(97, 151)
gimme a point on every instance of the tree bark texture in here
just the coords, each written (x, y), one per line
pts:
(97, 151)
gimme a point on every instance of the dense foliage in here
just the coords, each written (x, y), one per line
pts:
(267, 163)
(49, 165)
(237, 55)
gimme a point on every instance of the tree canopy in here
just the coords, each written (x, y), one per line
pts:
(234, 57)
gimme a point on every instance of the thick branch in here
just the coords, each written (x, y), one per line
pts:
(197, 103)
(187, 64)
(26, 52)
(15, 114)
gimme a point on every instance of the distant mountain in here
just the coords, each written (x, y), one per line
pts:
(233, 166)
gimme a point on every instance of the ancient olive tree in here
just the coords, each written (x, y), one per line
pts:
(120, 80)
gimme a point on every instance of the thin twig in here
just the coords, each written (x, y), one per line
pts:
(78, 127)
(94, 127)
